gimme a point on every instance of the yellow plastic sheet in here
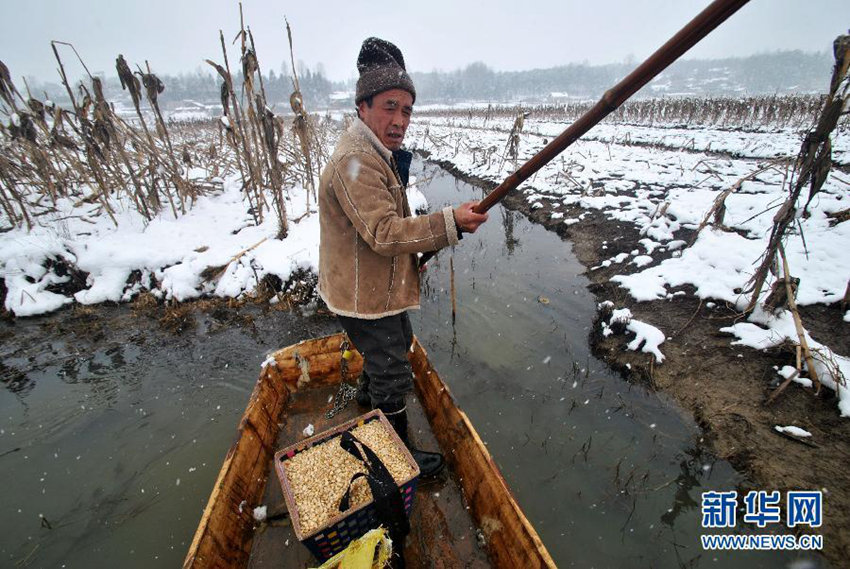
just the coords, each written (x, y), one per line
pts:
(361, 554)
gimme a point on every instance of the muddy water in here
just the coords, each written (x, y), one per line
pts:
(112, 430)
(610, 473)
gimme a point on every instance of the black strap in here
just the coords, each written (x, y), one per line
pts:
(389, 505)
(346, 498)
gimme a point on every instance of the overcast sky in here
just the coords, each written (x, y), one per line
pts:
(177, 35)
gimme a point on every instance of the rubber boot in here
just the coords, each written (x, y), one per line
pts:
(362, 396)
(430, 463)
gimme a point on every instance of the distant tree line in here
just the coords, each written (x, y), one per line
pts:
(780, 72)
(204, 86)
(769, 73)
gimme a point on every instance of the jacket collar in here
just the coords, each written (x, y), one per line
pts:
(360, 130)
(399, 159)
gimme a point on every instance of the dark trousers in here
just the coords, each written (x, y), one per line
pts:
(383, 343)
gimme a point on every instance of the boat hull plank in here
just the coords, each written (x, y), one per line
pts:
(223, 538)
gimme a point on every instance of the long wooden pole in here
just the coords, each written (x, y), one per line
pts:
(704, 23)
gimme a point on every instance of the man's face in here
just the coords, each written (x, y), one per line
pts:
(388, 116)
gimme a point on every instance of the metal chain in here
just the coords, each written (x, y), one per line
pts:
(346, 392)
(342, 398)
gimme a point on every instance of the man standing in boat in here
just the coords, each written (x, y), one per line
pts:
(368, 264)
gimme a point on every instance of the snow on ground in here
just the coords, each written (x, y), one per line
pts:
(647, 337)
(663, 179)
(415, 198)
(169, 254)
(763, 142)
(792, 430)
(766, 330)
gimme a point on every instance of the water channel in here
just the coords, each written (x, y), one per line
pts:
(112, 430)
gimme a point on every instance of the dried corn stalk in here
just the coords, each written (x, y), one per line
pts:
(512, 145)
(303, 128)
(813, 163)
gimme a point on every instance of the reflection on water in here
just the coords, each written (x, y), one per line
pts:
(111, 438)
(14, 380)
(511, 242)
(610, 473)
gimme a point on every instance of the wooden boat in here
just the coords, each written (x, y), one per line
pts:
(468, 518)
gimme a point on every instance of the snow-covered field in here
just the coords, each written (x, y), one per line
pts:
(666, 178)
(167, 256)
(169, 253)
(660, 178)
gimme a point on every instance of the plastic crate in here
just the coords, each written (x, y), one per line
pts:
(340, 530)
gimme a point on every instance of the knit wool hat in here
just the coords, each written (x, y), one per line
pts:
(381, 67)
